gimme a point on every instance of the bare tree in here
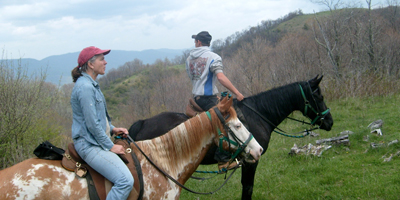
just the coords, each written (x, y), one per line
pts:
(371, 39)
(25, 103)
(393, 14)
(249, 69)
(330, 31)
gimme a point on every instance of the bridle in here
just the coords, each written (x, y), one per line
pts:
(237, 142)
(241, 146)
(307, 106)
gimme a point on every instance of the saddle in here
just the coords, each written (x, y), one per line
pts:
(97, 184)
(192, 109)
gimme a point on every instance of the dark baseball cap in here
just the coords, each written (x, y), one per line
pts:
(203, 36)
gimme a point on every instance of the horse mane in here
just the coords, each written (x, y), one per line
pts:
(181, 145)
(136, 127)
(173, 119)
(278, 100)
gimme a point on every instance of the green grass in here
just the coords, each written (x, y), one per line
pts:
(297, 23)
(342, 172)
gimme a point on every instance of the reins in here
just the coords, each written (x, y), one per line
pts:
(307, 105)
(219, 133)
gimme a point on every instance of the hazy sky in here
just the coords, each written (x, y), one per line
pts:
(41, 28)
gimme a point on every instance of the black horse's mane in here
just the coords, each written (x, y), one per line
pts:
(281, 90)
(172, 119)
(278, 100)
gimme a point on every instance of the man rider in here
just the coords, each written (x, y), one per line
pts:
(204, 68)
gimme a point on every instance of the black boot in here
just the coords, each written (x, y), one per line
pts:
(224, 163)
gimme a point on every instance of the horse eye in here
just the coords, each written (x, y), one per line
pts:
(238, 126)
(319, 97)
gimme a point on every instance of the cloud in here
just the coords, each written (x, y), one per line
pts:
(40, 28)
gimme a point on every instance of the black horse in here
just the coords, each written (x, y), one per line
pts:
(261, 114)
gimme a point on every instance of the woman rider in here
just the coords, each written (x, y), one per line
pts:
(91, 125)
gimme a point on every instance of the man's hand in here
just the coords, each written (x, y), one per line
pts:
(227, 83)
(239, 96)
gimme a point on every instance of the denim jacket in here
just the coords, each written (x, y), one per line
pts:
(89, 113)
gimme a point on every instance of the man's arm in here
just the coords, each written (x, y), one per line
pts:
(227, 83)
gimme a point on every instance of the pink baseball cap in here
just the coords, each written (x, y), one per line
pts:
(88, 52)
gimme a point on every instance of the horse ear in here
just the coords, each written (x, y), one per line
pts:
(224, 100)
(319, 80)
(315, 81)
(225, 104)
(221, 103)
(228, 103)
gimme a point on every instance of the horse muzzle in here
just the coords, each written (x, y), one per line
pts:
(326, 122)
(253, 156)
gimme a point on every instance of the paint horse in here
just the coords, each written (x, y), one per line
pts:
(178, 153)
(261, 114)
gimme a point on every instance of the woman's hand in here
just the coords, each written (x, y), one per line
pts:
(118, 149)
(120, 131)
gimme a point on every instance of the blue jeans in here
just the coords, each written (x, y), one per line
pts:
(206, 102)
(109, 165)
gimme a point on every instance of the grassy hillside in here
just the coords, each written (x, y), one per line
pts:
(357, 171)
(298, 22)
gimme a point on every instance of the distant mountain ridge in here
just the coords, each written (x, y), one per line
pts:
(58, 67)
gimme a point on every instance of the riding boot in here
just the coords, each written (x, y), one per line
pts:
(223, 159)
(223, 167)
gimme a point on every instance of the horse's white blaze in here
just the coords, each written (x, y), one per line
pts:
(253, 147)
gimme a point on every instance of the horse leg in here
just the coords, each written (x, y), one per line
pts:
(248, 173)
